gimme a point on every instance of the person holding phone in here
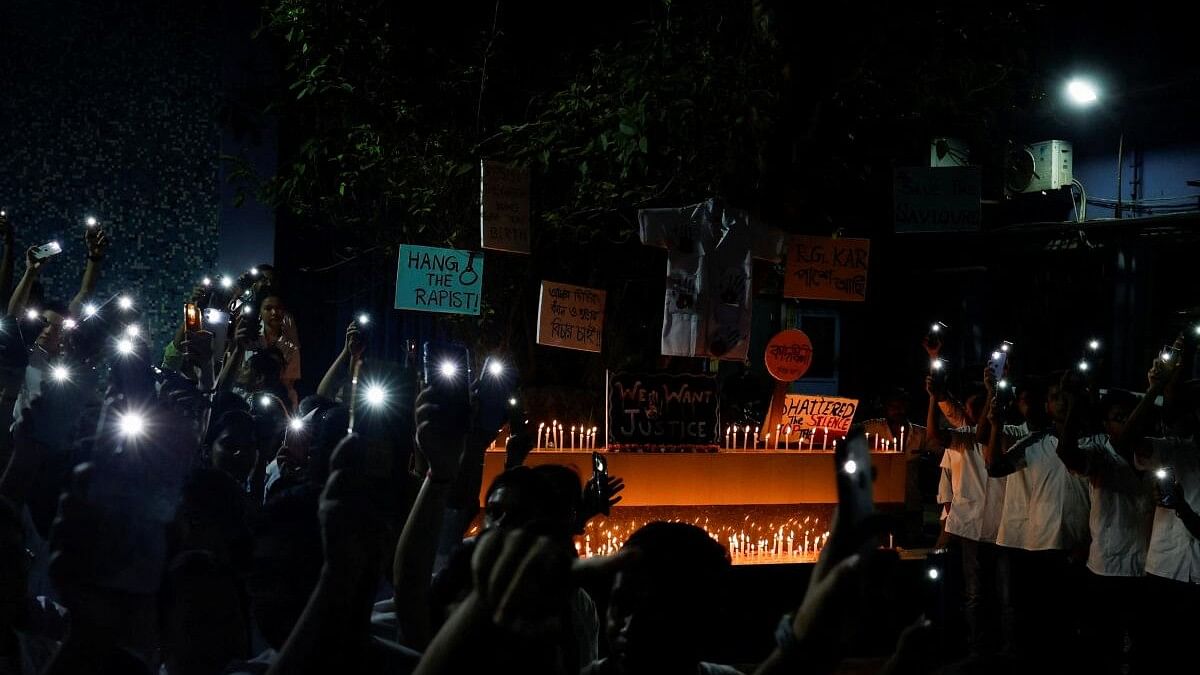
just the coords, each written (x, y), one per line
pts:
(1172, 580)
(1119, 523)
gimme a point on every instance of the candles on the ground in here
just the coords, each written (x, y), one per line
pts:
(755, 438)
(541, 425)
(900, 448)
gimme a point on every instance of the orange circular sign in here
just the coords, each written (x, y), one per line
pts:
(788, 355)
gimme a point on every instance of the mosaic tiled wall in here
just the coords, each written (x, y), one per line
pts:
(110, 111)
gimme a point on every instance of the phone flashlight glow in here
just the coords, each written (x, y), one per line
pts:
(376, 395)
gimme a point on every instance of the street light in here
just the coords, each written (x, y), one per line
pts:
(1082, 92)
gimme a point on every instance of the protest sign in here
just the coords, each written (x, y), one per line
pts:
(807, 411)
(439, 280)
(504, 207)
(788, 355)
(822, 268)
(571, 317)
(662, 413)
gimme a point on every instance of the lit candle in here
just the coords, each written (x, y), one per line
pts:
(778, 427)
(726, 438)
(553, 434)
(572, 436)
(746, 437)
(787, 439)
(900, 448)
(560, 435)
(825, 438)
(541, 425)
(755, 438)
(835, 445)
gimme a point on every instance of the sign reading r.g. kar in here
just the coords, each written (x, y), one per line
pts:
(662, 413)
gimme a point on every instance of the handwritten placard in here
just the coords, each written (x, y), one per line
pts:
(788, 355)
(504, 207)
(571, 317)
(806, 411)
(937, 199)
(443, 280)
(662, 413)
(821, 268)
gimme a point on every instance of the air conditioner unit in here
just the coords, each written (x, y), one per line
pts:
(1039, 167)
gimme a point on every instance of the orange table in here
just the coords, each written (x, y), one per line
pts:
(723, 478)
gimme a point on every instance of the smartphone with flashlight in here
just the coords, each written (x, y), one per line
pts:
(1165, 478)
(192, 320)
(447, 371)
(998, 361)
(1169, 354)
(856, 497)
(46, 251)
(497, 387)
(599, 482)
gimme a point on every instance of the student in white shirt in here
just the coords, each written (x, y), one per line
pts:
(1173, 556)
(1119, 523)
(1045, 518)
(975, 505)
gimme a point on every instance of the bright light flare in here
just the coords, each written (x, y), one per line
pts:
(1094, 345)
(132, 330)
(89, 310)
(933, 573)
(448, 369)
(296, 424)
(90, 221)
(60, 373)
(496, 368)
(1082, 92)
(376, 395)
(125, 303)
(850, 467)
(124, 346)
(32, 314)
(226, 283)
(131, 424)
(364, 319)
(1161, 474)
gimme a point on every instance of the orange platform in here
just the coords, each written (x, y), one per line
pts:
(723, 478)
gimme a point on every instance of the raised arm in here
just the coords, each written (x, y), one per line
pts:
(333, 634)
(1136, 427)
(933, 434)
(999, 462)
(339, 370)
(20, 297)
(97, 246)
(442, 441)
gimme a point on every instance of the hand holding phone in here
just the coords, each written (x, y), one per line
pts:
(447, 372)
(1167, 487)
(47, 250)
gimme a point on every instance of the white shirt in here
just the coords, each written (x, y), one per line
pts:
(1045, 506)
(1173, 552)
(978, 500)
(1121, 511)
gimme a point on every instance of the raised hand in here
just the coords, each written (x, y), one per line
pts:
(32, 263)
(599, 497)
(522, 580)
(354, 341)
(440, 439)
(349, 527)
(932, 345)
(96, 240)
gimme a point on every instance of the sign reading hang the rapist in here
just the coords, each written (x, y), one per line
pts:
(662, 413)
(443, 280)
(823, 268)
(571, 317)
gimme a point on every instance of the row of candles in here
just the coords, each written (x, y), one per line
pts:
(740, 438)
(748, 543)
(554, 436)
(753, 535)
